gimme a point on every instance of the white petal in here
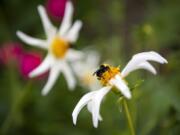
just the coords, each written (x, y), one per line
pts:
(86, 66)
(160, 57)
(73, 33)
(152, 56)
(53, 75)
(48, 27)
(100, 118)
(67, 20)
(96, 102)
(141, 58)
(68, 75)
(121, 85)
(43, 67)
(90, 107)
(77, 68)
(73, 55)
(93, 59)
(83, 101)
(32, 41)
(146, 66)
(95, 85)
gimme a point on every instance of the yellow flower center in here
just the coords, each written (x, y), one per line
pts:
(88, 79)
(106, 73)
(59, 47)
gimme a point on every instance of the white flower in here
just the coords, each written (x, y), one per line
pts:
(113, 78)
(58, 46)
(85, 67)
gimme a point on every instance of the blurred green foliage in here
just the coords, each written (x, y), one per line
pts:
(155, 106)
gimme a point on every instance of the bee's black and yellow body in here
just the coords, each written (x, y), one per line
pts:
(105, 73)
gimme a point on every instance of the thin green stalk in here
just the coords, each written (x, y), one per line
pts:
(16, 107)
(128, 116)
(18, 97)
(14, 88)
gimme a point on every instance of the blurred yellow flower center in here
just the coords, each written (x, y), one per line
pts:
(106, 73)
(88, 79)
(59, 47)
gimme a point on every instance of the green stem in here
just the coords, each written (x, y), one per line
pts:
(14, 88)
(17, 104)
(128, 116)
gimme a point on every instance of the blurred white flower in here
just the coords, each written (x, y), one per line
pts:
(85, 67)
(111, 77)
(58, 46)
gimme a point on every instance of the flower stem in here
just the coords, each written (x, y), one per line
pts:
(17, 102)
(128, 116)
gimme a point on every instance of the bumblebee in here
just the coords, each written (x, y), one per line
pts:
(105, 73)
(102, 69)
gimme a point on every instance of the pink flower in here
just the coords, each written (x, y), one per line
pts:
(13, 53)
(56, 8)
(10, 53)
(29, 61)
